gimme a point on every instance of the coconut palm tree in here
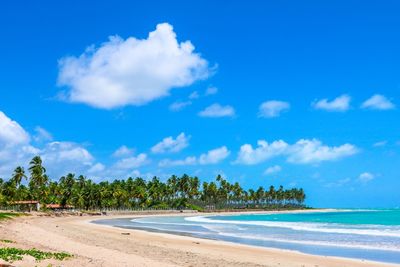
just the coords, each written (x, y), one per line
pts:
(18, 175)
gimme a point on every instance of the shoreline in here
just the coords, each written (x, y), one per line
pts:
(232, 243)
(94, 245)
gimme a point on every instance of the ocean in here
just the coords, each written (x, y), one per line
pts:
(360, 234)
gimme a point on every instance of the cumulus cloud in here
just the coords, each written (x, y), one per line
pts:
(15, 148)
(273, 108)
(13, 156)
(264, 151)
(378, 102)
(131, 71)
(131, 162)
(213, 156)
(302, 152)
(341, 104)
(123, 151)
(171, 145)
(272, 170)
(366, 177)
(96, 168)
(11, 133)
(313, 151)
(60, 152)
(61, 158)
(217, 111)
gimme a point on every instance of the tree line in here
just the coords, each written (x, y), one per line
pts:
(176, 193)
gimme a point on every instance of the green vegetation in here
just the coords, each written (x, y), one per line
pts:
(15, 254)
(7, 241)
(176, 192)
(8, 215)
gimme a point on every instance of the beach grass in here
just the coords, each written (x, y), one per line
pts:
(8, 215)
(14, 254)
(7, 241)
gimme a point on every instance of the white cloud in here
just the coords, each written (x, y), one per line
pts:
(131, 162)
(273, 108)
(11, 133)
(214, 156)
(171, 145)
(211, 90)
(179, 105)
(58, 157)
(96, 168)
(302, 152)
(132, 71)
(13, 156)
(264, 151)
(341, 103)
(366, 177)
(15, 148)
(378, 102)
(123, 151)
(42, 135)
(313, 151)
(272, 170)
(64, 157)
(217, 111)
(58, 152)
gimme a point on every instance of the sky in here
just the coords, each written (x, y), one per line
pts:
(293, 93)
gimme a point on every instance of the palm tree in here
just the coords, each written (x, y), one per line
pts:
(38, 178)
(66, 185)
(18, 175)
(176, 192)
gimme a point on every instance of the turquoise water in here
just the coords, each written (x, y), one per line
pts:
(361, 234)
(371, 217)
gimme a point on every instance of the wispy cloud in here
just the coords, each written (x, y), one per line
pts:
(273, 108)
(366, 177)
(378, 102)
(171, 145)
(179, 105)
(211, 90)
(339, 104)
(123, 151)
(272, 170)
(380, 144)
(42, 135)
(217, 111)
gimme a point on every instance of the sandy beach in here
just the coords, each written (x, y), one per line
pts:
(97, 245)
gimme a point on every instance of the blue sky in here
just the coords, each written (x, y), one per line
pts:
(299, 94)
